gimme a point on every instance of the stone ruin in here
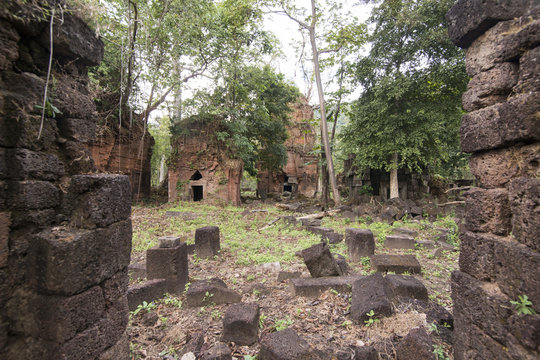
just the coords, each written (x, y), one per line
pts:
(301, 173)
(499, 259)
(62, 298)
(411, 185)
(128, 153)
(65, 232)
(199, 168)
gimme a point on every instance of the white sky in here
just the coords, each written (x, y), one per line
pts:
(288, 34)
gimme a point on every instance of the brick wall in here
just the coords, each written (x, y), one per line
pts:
(499, 257)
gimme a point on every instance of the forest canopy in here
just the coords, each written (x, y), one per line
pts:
(408, 74)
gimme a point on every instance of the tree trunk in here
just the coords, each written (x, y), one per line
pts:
(324, 126)
(394, 187)
(325, 191)
(162, 170)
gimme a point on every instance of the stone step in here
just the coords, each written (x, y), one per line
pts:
(396, 263)
(148, 291)
(399, 242)
(213, 291)
(313, 287)
(426, 244)
(405, 231)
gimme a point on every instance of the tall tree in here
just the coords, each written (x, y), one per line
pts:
(311, 21)
(251, 110)
(413, 78)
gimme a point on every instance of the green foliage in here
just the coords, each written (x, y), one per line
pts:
(262, 319)
(433, 328)
(145, 306)
(413, 79)
(249, 111)
(439, 353)
(172, 301)
(523, 306)
(216, 314)
(282, 324)
(371, 320)
(50, 110)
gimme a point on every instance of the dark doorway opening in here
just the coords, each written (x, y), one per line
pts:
(196, 176)
(375, 177)
(286, 185)
(197, 192)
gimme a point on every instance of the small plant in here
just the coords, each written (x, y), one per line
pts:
(163, 320)
(365, 261)
(50, 110)
(250, 277)
(523, 306)
(256, 292)
(186, 287)
(346, 323)
(335, 292)
(262, 318)
(433, 328)
(446, 325)
(169, 351)
(439, 353)
(207, 297)
(172, 301)
(282, 324)
(250, 357)
(144, 307)
(370, 321)
(216, 314)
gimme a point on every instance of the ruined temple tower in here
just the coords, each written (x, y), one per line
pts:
(200, 169)
(300, 175)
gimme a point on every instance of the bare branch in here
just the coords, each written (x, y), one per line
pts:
(286, 13)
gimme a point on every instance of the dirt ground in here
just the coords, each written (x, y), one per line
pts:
(324, 322)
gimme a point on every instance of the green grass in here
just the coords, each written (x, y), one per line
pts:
(240, 234)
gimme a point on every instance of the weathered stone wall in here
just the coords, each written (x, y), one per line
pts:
(128, 154)
(65, 234)
(499, 258)
(411, 185)
(198, 154)
(301, 169)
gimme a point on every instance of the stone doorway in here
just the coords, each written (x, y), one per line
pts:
(197, 191)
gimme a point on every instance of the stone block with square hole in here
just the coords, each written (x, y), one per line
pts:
(169, 263)
(360, 243)
(399, 242)
(207, 242)
(241, 324)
